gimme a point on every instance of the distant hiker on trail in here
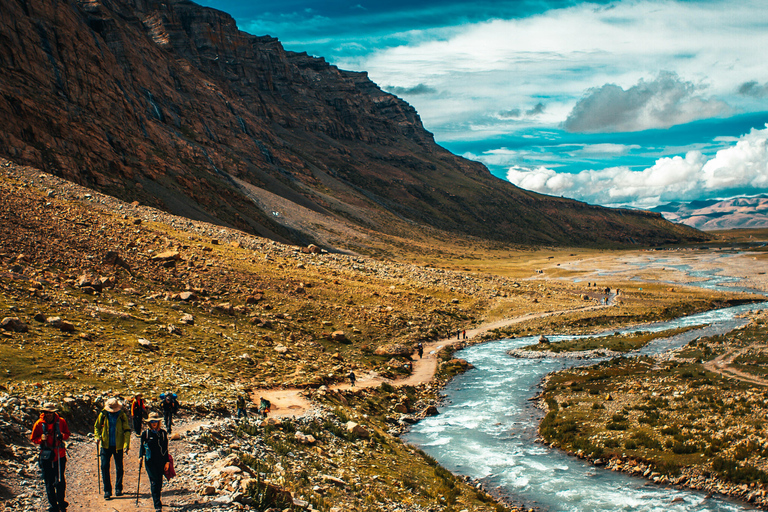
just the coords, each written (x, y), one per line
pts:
(352, 378)
(458, 335)
(241, 412)
(154, 454)
(420, 350)
(264, 406)
(138, 412)
(464, 333)
(50, 432)
(113, 431)
(170, 407)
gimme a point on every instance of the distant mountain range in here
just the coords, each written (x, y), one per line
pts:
(712, 214)
(169, 104)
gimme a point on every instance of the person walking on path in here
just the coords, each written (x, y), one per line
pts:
(113, 431)
(138, 412)
(420, 350)
(264, 406)
(241, 412)
(50, 432)
(170, 407)
(154, 452)
(352, 378)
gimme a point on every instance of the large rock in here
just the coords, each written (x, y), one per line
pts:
(89, 281)
(60, 324)
(339, 336)
(357, 429)
(167, 256)
(12, 323)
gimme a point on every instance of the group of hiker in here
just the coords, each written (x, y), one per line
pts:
(264, 407)
(112, 432)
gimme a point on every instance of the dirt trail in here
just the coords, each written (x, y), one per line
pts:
(720, 364)
(289, 402)
(82, 480)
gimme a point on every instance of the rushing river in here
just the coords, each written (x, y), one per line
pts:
(487, 427)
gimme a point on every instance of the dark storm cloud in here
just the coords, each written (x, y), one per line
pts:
(538, 109)
(666, 101)
(411, 91)
(515, 113)
(753, 89)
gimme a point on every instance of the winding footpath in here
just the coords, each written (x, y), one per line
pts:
(289, 402)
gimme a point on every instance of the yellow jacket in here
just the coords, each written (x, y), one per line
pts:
(122, 432)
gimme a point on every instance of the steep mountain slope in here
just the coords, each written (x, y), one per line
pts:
(168, 103)
(734, 213)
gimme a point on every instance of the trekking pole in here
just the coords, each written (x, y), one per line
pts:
(138, 484)
(98, 465)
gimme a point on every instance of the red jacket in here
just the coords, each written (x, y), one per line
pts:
(138, 408)
(51, 442)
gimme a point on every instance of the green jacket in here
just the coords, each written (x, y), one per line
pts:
(122, 433)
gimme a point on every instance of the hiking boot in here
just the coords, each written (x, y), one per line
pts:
(107, 495)
(118, 493)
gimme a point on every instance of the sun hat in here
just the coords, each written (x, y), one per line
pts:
(49, 407)
(113, 405)
(154, 417)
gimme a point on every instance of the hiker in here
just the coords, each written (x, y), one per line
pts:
(464, 333)
(138, 412)
(264, 406)
(420, 350)
(154, 450)
(241, 412)
(458, 335)
(170, 407)
(50, 432)
(113, 431)
(352, 378)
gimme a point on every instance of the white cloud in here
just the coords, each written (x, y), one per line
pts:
(661, 103)
(554, 57)
(741, 168)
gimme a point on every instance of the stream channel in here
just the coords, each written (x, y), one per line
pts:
(487, 427)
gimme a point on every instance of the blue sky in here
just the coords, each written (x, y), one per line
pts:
(611, 102)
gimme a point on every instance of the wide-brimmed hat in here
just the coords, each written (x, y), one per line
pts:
(139, 395)
(154, 417)
(113, 405)
(49, 407)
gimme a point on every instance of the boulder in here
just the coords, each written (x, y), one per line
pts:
(543, 339)
(113, 258)
(224, 307)
(187, 296)
(339, 336)
(167, 256)
(146, 344)
(281, 349)
(89, 281)
(187, 320)
(431, 411)
(304, 438)
(357, 429)
(12, 323)
(63, 325)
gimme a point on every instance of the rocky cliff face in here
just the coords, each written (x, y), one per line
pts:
(168, 103)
